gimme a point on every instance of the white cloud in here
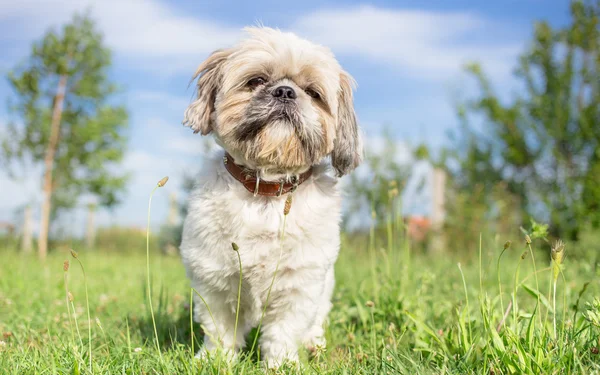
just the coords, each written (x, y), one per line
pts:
(148, 32)
(428, 44)
(153, 35)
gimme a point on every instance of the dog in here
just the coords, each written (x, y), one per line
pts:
(281, 108)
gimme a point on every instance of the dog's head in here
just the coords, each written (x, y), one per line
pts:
(278, 102)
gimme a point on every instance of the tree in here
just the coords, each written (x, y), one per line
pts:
(545, 144)
(67, 122)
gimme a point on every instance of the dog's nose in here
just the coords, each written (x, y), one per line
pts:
(284, 92)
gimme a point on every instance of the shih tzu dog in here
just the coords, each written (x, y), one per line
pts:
(281, 108)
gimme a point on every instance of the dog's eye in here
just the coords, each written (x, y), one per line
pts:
(257, 81)
(312, 93)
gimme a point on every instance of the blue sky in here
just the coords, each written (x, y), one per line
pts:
(405, 55)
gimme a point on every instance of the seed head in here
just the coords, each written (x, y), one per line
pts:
(558, 254)
(507, 245)
(558, 251)
(163, 181)
(288, 205)
(71, 298)
(234, 246)
(370, 304)
(74, 253)
(66, 265)
(528, 239)
(524, 255)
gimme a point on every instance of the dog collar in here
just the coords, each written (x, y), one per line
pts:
(252, 182)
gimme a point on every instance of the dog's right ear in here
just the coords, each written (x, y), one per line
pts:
(198, 114)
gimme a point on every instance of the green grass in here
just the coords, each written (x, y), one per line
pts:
(394, 312)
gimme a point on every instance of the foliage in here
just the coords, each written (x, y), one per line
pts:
(378, 191)
(92, 135)
(545, 143)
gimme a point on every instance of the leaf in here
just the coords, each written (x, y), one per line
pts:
(536, 294)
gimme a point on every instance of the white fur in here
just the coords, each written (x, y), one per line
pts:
(222, 211)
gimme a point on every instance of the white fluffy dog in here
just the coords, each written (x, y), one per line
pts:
(279, 106)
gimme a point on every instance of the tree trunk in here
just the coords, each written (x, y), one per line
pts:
(49, 166)
(438, 210)
(26, 240)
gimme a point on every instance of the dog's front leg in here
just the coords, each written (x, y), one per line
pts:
(289, 314)
(218, 324)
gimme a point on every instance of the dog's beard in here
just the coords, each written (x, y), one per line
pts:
(277, 133)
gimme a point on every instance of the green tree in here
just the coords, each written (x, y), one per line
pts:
(545, 143)
(67, 122)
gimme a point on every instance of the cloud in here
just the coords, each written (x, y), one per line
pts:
(432, 45)
(151, 34)
(148, 32)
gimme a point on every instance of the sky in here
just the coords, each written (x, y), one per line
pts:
(407, 57)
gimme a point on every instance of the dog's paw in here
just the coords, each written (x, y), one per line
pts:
(278, 362)
(275, 355)
(316, 347)
(205, 354)
(314, 341)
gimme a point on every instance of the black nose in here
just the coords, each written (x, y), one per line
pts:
(284, 92)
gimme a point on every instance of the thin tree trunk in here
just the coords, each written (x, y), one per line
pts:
(26, 239)
(49, 166)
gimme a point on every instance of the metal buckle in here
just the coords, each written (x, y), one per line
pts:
(280, 191)
(257, 184)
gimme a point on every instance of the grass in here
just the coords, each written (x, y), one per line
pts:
(394, 312)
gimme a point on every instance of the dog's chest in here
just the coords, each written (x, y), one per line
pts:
(264, 234)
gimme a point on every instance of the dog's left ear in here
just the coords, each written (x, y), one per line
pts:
(198, 114)
(347, 147)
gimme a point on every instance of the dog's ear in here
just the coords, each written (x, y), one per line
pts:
(347, 147)
(198, 114)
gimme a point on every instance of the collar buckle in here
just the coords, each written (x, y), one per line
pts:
(256, 190)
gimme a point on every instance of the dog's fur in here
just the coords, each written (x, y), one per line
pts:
(277, 138)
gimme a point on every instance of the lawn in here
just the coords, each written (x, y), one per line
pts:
(396, 311)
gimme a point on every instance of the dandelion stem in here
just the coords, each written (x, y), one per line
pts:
(239, 297)
(87, 303)
(148, 272)
(506, 246)
(192, 318)
(209, 313)
(68, 308)
(554, 307)
(76, 324)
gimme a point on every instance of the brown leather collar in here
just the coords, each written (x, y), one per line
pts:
(256, 186)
